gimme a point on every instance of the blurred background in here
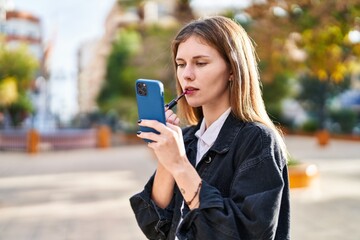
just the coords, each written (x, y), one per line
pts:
(67, 74)
(73, 65)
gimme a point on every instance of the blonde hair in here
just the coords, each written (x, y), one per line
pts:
(236, 48)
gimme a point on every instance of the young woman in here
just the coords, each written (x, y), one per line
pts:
(225, 175)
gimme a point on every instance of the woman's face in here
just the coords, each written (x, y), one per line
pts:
(203, 73)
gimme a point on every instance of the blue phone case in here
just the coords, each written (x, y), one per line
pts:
(150, 101)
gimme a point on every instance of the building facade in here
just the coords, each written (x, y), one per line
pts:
(20, 28)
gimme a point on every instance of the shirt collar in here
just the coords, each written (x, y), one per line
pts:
(209, 135)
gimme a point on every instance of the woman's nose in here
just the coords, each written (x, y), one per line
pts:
(188, 73)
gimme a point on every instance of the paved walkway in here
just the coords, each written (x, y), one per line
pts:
(83, 194)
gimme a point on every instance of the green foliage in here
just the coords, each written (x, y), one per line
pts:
(292, 161)
(129, 3)
(277, 89)
(310, 126)
(154, 61)
(327, 56)
(330, 54)
(136, 53)
(8, 91)
(19, 110)
(273, 94)
(310, 38)
(321, 28)
(17, 63)
(119, 77)
(346, 118)
(17, 66)
(314, 95)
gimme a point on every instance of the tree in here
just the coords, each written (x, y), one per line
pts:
(118, 89)
(314, 94)
(17, 70)
(133, 56)
(8, 91)
(311, 37)
(140, 51)
(183, 11)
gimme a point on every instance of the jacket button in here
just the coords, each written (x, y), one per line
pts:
(208, 160)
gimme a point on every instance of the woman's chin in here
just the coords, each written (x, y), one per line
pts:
(194, 104)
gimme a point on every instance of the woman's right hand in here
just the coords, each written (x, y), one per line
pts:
(171, 117)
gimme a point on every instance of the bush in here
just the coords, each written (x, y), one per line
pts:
(346, 118)
(310, 126)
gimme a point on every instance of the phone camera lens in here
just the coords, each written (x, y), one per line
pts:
(142, 89)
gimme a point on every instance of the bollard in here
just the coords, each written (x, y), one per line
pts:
(103, 137)
(323, 137)
(33, 140)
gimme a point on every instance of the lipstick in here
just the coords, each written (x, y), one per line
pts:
(173, 102)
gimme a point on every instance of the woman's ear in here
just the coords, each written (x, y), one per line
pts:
(231, 77)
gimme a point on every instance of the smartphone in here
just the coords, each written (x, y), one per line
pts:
(150, 102)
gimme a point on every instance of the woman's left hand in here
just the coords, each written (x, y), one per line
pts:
(171, 117)
(168, 145)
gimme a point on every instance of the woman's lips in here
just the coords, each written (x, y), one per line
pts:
(190, 90)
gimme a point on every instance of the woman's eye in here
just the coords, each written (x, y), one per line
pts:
(201, 64)
(181, 65)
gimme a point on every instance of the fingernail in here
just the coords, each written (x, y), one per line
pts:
(138, 132)
(139, 121)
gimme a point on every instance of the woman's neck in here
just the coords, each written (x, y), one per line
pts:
(211, 114)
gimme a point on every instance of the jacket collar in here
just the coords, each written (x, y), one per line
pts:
(226, 136)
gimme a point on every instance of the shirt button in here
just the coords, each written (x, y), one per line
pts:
(208, 160)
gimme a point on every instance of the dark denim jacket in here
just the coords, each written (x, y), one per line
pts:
(245, 191)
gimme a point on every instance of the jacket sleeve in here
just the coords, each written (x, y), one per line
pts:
(252, 209)
(154, 221)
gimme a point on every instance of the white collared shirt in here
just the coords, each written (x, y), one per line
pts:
(207, 137)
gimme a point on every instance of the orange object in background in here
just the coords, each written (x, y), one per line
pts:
(323, 137)
(33, 141)
(103, 137)
(302, 175)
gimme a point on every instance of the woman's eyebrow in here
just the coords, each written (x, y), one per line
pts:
(201, 56)
(194, 57)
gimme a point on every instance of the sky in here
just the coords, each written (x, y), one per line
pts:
(68, 23)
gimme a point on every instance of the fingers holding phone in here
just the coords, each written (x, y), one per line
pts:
(171, 117)
(167, 143)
